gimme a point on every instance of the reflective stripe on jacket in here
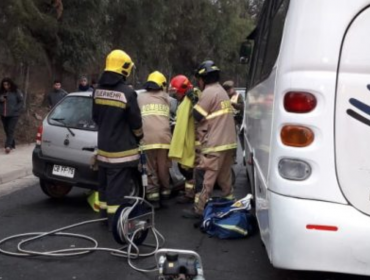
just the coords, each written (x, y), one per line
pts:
(116, 112)
(216, 130)
(155, 112)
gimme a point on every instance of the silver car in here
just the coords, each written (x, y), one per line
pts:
(64, 148)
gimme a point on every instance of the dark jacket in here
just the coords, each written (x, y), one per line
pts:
(11, 104)
(116, 112)
(55, 96)
(85, 88)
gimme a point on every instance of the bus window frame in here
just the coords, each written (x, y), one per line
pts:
(263, 28)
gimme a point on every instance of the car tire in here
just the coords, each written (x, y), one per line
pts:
(54, 190)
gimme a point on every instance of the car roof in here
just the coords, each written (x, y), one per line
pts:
(89, 93)
(81, 93)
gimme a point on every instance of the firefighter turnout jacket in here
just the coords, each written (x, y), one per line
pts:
(216, 127)
(155, 111)
(116, 112)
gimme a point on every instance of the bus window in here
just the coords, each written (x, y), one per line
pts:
(274, 40)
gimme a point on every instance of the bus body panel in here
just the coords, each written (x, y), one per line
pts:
(258, 129)
(307, 61)
(294, 246)
(352, 121)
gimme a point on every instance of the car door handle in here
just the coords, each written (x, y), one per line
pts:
(90, 149)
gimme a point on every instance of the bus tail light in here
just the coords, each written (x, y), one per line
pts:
(299, 102)
(293, 169)
(296, 136)
(39, 135)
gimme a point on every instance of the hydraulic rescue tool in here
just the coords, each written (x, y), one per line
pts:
(179, 265)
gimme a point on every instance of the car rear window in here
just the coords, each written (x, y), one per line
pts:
(73, 112)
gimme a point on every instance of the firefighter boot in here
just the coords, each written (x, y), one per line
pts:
(154, 199)
(165, 194)
(191, 213)
(188, 195)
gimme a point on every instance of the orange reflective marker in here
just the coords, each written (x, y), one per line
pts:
(296, 136)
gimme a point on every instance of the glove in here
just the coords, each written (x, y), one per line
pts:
(191, 94)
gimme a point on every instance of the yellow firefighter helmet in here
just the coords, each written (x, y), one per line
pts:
(156, 81)
(119, 62)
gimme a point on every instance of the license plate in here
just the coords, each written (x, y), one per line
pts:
(63, 171)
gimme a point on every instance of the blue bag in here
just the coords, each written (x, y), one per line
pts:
(228, 219)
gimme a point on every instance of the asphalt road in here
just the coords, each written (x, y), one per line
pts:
(29, 210)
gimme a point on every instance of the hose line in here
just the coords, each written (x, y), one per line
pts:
(132, 250)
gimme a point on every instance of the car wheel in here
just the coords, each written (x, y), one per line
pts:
(54, 189)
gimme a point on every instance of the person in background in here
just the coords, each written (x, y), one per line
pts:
(155, 111)
(237, 102)
(84, 84)
(56, 94)
(11, 104)
(94, 84)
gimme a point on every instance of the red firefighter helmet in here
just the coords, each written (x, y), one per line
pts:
(180, 84)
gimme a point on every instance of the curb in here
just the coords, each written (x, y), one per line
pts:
(14, 175)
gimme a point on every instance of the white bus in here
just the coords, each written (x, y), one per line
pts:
(307, 133)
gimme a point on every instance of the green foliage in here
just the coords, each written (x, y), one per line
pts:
(169, 36)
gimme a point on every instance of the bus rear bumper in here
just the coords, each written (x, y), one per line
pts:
(318, 236)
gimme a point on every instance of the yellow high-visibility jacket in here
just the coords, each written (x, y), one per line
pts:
(182, 148)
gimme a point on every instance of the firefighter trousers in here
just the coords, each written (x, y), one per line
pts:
(216, 167)
(158, 174)
(114, 185)
(191, 179)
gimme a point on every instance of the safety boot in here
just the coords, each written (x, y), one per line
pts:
(154, 199)
(165, 194)
(191, 213)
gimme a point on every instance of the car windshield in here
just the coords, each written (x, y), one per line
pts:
(73, 112)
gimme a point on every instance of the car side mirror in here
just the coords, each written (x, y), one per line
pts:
(245, 52)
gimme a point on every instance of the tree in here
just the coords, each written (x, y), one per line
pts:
(69, 37)
(175, 36)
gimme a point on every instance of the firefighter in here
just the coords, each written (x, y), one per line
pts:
(183, 148)
(237, 102)
(117, 114)
(155, 110)
(179, 85)
(216, 133)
